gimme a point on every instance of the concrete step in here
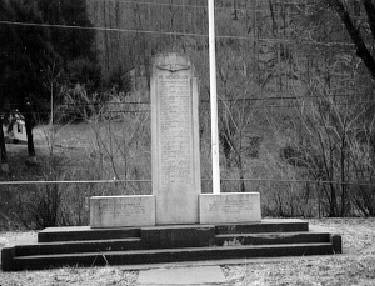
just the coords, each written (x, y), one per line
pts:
(136, 243)
(75, 233)
(268, 238)
(164, 237)
(263, 226)
(63, 247)
(167, 255)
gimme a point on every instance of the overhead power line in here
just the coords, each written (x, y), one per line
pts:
(173, 33)
(278, 9)
(63, 182)
(98, 28)
(200, 6)
(16, 183)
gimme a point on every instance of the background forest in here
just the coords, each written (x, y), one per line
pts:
(295, 88)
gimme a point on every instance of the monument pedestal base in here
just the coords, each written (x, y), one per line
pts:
(229, 208)
(123, 211)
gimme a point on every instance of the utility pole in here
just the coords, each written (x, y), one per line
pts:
(213, 101)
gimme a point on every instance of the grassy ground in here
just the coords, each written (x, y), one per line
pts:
(355, 267)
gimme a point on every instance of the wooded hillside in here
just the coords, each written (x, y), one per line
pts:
(295, 88)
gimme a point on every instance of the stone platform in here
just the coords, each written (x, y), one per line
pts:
(140, 210)
(86, 246)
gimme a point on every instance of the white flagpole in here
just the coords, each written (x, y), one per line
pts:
(213, 101)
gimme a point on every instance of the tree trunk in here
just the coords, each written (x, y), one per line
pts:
(3, 153)
(342, 175)
(226, 147)
(242, 182)
(30, 140)
(332, 201)
(29, 126)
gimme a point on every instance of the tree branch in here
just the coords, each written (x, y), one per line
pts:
(355, 34)
(370, 11)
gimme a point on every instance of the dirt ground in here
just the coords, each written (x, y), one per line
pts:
(355, 267)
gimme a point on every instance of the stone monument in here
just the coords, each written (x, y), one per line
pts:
(176, 197)
(175, 140)
(176, 222)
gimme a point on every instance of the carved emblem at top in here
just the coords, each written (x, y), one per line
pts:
(173, 67)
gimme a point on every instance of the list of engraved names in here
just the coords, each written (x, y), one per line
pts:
(175, 129)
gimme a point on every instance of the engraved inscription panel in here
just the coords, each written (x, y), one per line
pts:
(175, 129)
(231, 205)
(120, 208)
(108, 211)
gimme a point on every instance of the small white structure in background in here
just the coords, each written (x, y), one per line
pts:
(15, 132)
